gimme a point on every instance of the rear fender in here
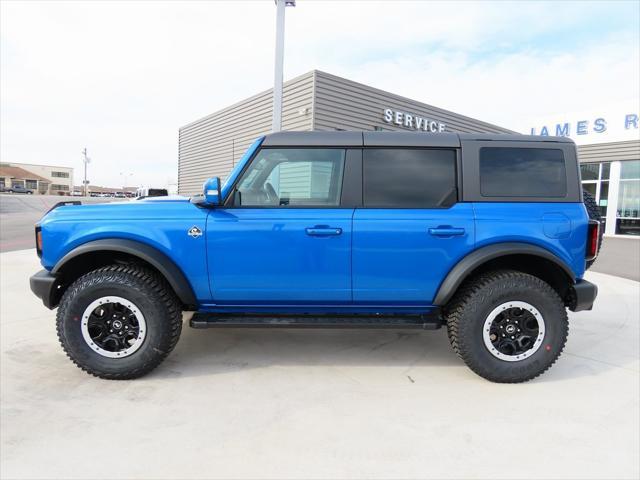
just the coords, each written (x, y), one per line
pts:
(465, 267)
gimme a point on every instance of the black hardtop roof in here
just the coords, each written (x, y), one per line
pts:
(394, 139)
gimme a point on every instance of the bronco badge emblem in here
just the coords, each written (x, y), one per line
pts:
(194, 232)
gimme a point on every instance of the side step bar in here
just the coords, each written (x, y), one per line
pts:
(217, 320)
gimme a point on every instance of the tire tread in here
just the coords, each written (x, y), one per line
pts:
(477, 291)
(134, 276)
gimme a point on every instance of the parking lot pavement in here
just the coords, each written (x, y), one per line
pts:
(19, 213)
(252, 403)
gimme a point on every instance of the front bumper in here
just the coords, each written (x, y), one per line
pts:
(583, 294)
(44, 286)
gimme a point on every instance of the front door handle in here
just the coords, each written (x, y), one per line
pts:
(446, 231)
(323, 231)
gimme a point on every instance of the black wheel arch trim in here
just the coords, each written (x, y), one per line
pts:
(478, 257)
(161, 262)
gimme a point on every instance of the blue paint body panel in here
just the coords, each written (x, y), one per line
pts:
(397, 261)
(161, 223)
(532, 223)
(265, 256)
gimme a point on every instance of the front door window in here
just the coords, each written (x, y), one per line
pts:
(292, 177)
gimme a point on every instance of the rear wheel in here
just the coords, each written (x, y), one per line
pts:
(507, 326)
(119, 322)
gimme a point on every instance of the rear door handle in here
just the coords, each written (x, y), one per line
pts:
(322, 231)
(446, 231)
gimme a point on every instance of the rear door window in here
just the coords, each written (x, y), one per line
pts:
(522, 172)
(409, 178)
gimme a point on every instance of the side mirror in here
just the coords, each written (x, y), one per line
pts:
(212, 195)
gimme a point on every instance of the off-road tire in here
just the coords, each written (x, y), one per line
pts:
(146, 289)
(594, 214)
(466, 313)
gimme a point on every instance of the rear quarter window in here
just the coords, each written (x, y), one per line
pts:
(522, 172)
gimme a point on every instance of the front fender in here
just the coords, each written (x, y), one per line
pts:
(152, 256)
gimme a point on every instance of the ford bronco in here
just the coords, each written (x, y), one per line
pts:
(488, 235)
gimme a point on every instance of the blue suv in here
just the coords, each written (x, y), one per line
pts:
(489, 235)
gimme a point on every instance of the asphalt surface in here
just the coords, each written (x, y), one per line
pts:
(19, 213)
(259, 403)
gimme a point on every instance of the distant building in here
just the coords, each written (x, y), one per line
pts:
(41, 179)
(95, 189)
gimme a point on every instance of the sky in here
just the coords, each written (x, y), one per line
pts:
(121, 77)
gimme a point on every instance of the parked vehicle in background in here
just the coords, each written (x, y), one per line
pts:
(485, 234)
(144, 192)
(17, 189)
(119, 195)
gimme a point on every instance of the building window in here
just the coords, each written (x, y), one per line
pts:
(17, 183)
(2, 185)
(63, 188)
(595, 180)
(60, 174)
(31, 184)
(628, 212)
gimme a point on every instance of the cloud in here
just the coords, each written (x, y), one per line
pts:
(122, 77)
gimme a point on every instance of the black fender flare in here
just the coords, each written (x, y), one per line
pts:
(167, 268)
(475, 259)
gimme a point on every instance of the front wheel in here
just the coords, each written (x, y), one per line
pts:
(119, 322)
(507, 326)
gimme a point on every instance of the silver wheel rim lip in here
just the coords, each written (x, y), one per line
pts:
(142, 333)
(501, 308)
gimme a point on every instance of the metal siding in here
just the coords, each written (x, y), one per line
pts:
(348, 105)
(211, 146)
(609, 152)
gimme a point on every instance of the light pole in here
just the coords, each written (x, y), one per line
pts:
(125, 177)
(86, 161)
(276, 122)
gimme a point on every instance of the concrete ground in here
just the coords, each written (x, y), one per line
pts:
(257, 403)
(619, 256)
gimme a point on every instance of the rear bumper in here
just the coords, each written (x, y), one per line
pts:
(583, 294)
(43, 285)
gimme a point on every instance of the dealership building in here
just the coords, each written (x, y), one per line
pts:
(317, 100)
